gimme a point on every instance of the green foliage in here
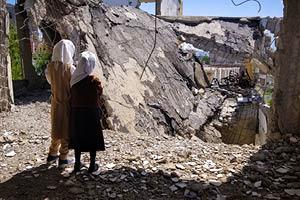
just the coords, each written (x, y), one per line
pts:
(268, 96)
(14, 51)
(205, 60)
(41, 58)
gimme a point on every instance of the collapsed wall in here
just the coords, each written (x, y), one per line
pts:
(5, 97)
(122, 37)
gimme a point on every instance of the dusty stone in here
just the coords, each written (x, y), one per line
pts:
(112, 195)
(190, 194)
(76, 190)
(215, 182)
(293, 140)
(196, 187)
(51, 187)
(271, 196)
(284, 149)
(259, 157)
(181, 185)
(175, 179)
(180, 166)
(173, 188)
(110, 165)
(257, 184)
(293, 192)
(69, 183)
(255, 194)
(11, 153)
(282, 170)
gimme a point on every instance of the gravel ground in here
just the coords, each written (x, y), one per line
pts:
(141, 166)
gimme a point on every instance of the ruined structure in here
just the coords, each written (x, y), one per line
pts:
(287, 87)
(167, 98)
(23, 31)
(5, 73)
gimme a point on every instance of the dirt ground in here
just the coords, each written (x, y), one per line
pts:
(141, 166)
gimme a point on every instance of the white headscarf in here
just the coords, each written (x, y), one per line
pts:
(63, 52)
(85, 67)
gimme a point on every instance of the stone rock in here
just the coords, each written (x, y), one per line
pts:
(69, 183)
(11, 153)
(215, 182)
(180, 166)
(258, 157)
(271, 196)
(200, 76)
(293, 140)
(51, 187)
(173, 188)
(110, 165)
(293, 192)
(76, 190)
(209, 164)
(257, 184)
(284, 149)
(181, 185)
(175, 179)
(255, 194)
(197, 187)
(282, 170)
(189, 194)
(112, 195)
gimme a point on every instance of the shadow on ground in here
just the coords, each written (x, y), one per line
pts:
(272, 173)
(28, 97)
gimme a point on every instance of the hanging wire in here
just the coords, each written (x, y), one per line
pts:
(155, 39)
(241, 3)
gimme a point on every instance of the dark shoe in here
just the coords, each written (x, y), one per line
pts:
(64, 163)
(93, 168)
(51, 159)
(78, 167)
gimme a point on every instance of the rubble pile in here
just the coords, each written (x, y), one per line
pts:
(143, 166)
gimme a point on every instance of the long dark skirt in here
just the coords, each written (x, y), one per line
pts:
(86, 132)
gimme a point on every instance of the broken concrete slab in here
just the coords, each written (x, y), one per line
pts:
(122, 37)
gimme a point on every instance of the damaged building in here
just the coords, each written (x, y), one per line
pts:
(5, 71)
(176, 95)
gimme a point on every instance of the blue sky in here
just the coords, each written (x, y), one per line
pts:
(11, 1)
(226, 8)
(223, 8)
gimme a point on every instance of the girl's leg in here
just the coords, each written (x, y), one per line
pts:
(77, 165)
(93, 166)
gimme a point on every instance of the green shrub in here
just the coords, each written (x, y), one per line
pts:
(14, 51)
(268, 96)
(205, 60)
(41, 58)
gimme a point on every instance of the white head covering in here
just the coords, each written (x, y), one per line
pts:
(85, 67)
(63, 52)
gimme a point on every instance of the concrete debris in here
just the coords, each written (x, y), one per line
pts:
(191, 168)
(11, 153)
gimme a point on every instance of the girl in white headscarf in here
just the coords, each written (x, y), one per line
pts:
(58, 74)
(86, 131)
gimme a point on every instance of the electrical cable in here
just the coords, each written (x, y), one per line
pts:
(155, 40)
(238, 4)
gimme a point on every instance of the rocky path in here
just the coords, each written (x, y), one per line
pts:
(141, 166)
